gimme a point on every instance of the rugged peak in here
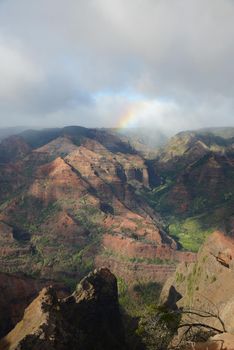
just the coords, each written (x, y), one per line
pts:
(89, 318)
(48, 298)
(17, 291)
(39, 322)
(100, 284)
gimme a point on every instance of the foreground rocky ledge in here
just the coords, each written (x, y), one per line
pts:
(17, 292)
(87, 319)
(223, 341)
(204, 291)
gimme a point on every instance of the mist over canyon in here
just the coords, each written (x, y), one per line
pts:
(74, 199)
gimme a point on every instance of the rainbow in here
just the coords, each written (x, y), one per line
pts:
(132, 115)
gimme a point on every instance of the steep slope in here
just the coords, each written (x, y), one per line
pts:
(195, 194)
(206, 287)
(87, 319)
(74, 202)
(17, 291)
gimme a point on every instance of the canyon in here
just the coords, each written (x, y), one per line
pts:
(76, 199)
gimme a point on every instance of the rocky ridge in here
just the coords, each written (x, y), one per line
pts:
(87, 319)
(195, 191)
(206, 287)
(73, 195)
(195, 165)
(17, 291)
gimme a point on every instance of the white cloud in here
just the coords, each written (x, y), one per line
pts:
(56, 55)
(17, 71)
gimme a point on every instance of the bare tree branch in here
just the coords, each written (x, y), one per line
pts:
(201, 325)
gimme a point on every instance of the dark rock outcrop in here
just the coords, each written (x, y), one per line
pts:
(17, 292)
(88, 319)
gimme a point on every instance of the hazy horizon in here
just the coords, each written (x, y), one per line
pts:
(170, 133)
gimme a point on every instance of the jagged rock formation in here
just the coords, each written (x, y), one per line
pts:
(16, 294)
(87, 319)
(206, 286)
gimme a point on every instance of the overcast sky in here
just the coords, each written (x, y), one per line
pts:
(88, 62)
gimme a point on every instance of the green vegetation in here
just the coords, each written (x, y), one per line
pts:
(192, 280)
(213, 279)
(138, 304)
(136, 260)
(190, 233)
(155, 261)
(180, 278)
(196, 194)
(48, 249)
(149, 293)
(157, 330)
(139, 299)
(90, 218)
(31, 213)
(203, 216)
